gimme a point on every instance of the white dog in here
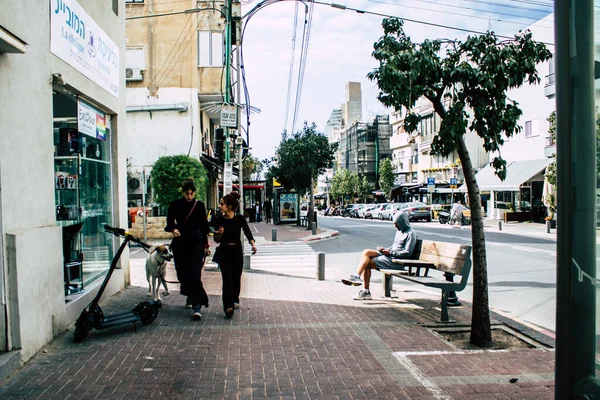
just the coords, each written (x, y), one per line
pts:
(156, 268)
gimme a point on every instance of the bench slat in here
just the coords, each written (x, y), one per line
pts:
(447, 257)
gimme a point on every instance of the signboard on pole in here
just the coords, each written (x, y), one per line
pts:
(453, 183)
(229, 116)
(431, 184)
(227, 178)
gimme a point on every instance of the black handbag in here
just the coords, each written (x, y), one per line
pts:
(217, 255)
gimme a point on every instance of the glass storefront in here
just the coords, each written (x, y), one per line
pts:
(83, 192)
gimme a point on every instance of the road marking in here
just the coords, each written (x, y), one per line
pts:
(416, 373)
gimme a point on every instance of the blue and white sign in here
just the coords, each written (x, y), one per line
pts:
(430, 181)
(453, 181)
(76, 39)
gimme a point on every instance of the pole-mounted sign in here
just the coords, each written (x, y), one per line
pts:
(229, 116)
(227, 178)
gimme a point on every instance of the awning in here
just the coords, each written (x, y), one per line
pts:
(517, 173)
(321, 196)
(211, 162)
(408, 186)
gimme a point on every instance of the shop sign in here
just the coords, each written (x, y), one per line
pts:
(76, 39)
(400, 179)
(288, 203)
(90, 121)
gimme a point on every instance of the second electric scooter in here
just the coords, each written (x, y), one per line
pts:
(93, 317)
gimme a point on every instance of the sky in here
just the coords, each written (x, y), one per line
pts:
(339, 51)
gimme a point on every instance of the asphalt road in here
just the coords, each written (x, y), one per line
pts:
(521, 269)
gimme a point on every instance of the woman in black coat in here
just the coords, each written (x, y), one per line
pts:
(186, 219)
(229, 255)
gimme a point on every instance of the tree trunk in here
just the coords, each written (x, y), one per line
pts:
(481, 333)
(311, 207)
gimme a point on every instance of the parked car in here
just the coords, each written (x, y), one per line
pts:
(346, 211)
(376, 212)
(416, 211)
(356, 209)
(390, 210)
(360, 213)
(368, 211)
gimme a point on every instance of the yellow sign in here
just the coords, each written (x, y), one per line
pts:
(275, 183)
(453, 186)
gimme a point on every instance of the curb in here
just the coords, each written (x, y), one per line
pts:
(326, 235)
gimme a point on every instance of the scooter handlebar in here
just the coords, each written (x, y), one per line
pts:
(122, 233)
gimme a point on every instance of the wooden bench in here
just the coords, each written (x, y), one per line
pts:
(430, 255)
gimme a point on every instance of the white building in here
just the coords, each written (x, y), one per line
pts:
(62, 107)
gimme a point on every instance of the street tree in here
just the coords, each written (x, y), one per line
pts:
(551, 169)
(302, 157)
(251, 166)
(169, 172)
(336, 186)
(466, 82)
(364, 189)
(386, 177)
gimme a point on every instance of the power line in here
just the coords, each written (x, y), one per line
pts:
(454, 13)
(291, 73)
(303, 53)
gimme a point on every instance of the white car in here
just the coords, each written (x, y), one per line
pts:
(376, 212)
(390, 210)
(361, 210)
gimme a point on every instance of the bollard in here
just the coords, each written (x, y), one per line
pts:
(452, 297)
(274, 234)
(548, 226)
(499, 225)
(321, 266)
(246, 262)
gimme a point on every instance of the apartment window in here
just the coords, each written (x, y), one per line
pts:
(531, 128)
(210, 49)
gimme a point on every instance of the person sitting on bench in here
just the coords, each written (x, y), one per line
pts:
(403, 247)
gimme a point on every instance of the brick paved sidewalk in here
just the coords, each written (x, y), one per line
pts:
(292, 338)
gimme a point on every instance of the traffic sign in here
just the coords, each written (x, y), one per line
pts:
(227, 178)
(430, 181)
(453, 183)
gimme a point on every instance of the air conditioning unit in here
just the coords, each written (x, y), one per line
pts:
(135, 184)
(133, 75)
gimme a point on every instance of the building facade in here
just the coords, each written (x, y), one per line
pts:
(174, 68)
(62, 104)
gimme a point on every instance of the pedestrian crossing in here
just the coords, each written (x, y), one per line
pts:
(286, 258)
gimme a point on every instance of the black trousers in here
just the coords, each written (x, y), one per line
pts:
(189, 261)
(231, 265)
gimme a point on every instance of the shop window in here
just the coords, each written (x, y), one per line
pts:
(83, 187)
(210, 49)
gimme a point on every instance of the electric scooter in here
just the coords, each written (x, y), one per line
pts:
(93, 317)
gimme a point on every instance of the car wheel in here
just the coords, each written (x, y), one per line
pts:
(428, 219)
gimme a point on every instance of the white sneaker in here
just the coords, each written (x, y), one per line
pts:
(363, 295)
(353, 280)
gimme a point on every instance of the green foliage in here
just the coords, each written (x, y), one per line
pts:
(251, 165)
(364, 189)
(303, 156)
(386, 176)
(169, 172)
(466, 83)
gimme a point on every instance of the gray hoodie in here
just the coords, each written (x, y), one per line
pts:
(405, 239)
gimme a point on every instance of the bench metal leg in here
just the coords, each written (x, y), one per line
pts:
(387, 285)
(452, 297)
(445, 318)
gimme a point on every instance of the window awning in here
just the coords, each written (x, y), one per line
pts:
(517, 173)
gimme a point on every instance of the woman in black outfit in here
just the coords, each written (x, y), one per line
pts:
(229, 254)
(186, 219)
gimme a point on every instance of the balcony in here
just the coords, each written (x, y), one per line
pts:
(550, 85)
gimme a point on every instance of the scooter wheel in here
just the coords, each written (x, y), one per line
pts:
(82, 328)
(148, 314)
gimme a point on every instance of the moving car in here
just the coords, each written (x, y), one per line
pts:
(416, 211)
